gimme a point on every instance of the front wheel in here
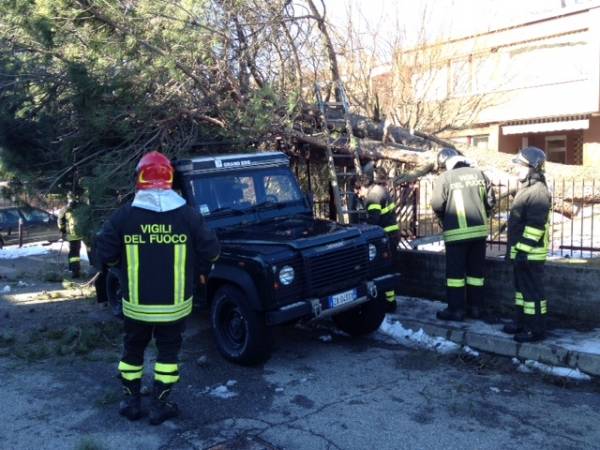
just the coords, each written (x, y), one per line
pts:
(241, 333)
(363, 319)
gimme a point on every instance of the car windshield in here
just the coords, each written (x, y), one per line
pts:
(251, 190)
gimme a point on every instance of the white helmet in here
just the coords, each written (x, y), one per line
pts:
(453, 161)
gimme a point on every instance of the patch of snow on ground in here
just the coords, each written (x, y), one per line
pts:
(16, 252)
(469, 351)
(6, 289)
(325, 338)
(418, 339)
(222, 391)
(556, 371)
(495, 390)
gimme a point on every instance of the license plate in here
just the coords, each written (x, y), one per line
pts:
(341, 298)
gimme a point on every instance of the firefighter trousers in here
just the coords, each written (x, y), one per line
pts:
(530, 300)
(74, 258)
(394, 238)
(465, 269)
(168, 339)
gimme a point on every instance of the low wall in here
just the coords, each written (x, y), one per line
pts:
(572, 291)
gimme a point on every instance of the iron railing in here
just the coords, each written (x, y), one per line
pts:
(574, 221)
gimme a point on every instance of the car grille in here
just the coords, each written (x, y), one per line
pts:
(334, 271)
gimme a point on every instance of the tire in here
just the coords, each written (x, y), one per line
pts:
(362, 320)
(113, 293)
(241, 334)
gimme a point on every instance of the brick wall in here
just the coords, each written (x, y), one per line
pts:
(572, 292)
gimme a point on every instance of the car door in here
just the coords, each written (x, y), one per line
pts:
(39, 225)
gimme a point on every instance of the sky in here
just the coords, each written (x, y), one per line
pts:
(450, 18)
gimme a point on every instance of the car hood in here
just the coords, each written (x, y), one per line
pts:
(296, 232)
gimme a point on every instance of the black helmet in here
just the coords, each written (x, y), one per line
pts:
(443, 156)
(531, 157)
(380, 176)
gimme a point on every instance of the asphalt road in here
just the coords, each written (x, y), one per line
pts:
(314, 393)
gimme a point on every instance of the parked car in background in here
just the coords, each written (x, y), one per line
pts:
(37, 225)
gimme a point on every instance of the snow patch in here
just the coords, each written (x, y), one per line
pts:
(16, 252)
(222, 391)
(556, 371)
(325, 338)
(231, 383)
(495, 390)
(6, 289)
(469, 351)
(418, 339)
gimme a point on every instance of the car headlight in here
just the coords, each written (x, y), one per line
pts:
(372, 252)
(286, 275)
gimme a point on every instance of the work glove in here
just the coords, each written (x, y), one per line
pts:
(521, 257)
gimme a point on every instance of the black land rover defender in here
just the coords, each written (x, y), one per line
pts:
(278, 263)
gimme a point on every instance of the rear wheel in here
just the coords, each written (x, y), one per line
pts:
(364, 319)
(240, 332)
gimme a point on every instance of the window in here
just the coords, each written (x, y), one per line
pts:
(280, 188)
(556, 149)
(243, 191)
(481, 141)
(35, 215)
(9, 217)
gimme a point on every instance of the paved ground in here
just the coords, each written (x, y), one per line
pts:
(320, 390)
(313, 394)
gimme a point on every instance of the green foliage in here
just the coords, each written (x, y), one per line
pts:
(87, 86)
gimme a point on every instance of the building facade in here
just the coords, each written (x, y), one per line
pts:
(534, 83)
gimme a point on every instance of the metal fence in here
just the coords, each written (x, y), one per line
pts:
(574, 221)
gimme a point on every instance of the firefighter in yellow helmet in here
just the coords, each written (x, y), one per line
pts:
(160, 245)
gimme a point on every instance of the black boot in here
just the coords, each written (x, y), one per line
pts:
(512, 328)
(449, 314)
(474, 312)
(390, 306)
(131, 405)
(161, 409)
(529, 336)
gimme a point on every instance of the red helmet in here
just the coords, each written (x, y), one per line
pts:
(154, 171)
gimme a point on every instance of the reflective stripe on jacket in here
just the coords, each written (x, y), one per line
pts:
(528, 223)
(462, 199)
(381, 209)
(159, 254)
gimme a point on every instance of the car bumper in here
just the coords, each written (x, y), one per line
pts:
(320, 307)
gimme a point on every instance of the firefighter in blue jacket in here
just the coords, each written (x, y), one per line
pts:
(462, 200)
(160, 245)
(528, 239)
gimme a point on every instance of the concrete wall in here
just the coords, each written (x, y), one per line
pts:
(591, 143)
(572, 291)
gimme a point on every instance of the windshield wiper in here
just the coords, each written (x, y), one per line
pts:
(275, 205)
(228, 210)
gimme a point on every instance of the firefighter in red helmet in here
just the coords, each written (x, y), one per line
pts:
(159, 244)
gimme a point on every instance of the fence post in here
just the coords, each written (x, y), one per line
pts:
(20, 232)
